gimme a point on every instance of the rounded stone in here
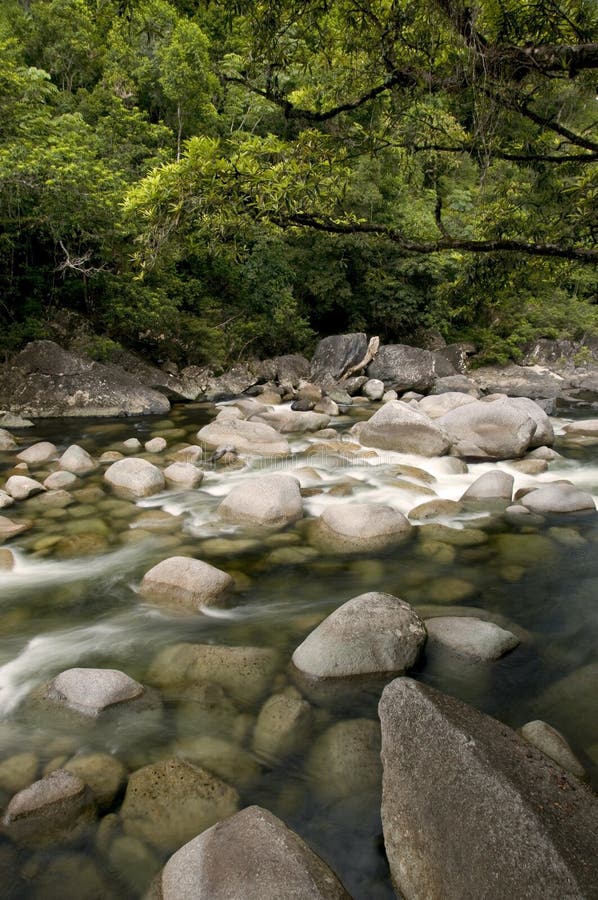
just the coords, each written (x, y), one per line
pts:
(471, 637)
(186, 584)
(360, 527)
(21, 486)
(345, 760)
(268, 500)
(55, 808)
(76, 460)
(183, 475)
(92, 691)
(133, 478)
(38, 453)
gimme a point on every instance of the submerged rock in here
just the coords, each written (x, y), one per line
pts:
(186, 584)
(104, 775)
(470, 636)
(470, 810)
(132, 478)
(552, 743)
(360, 527)
(283, 726)
(345, 760)
(272, 501)
(251, 855)
(93, 692)
(56, 808)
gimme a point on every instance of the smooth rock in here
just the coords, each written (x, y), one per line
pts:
(10, 528)
(168, 803)
(495, 484)
(451, 775)
(133, 478)
(558, 498)
(268, 500)
(155, 445)
(554, 745)
(345, 760)
(250, 856)
(60, 480)
(104, 775)
(91, 692)
(396, 426)
(21, 486)
(282, 727)
(220, 757)
(245, 437)
(433, 509)
(471, 637)
(436, 405)
(544, 434)
(403, 368)
(373, 389)
(186, 584)
(38, 453)
(56, 808)
(183, 475)
(7, 441)
(488, 430)
(374, 633)
(76, 460)
(360, 527)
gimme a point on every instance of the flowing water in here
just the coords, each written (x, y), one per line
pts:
(71, 600)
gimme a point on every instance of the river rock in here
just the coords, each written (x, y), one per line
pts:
(56, 808)
(272, 501)
(553, 744)
(470, 636)
(76, 460)
(488, 430)
(534, 382)
(133, 478)
(336, 354)
(168, 803)
(470, 809)
(558, 498)
(396, 426)
(433, 509)
(21, 486)
(221, 757)
(572, 703)
(282, 727)
(403, 368)
(373, 389)
(490, 485)
(290, 420)
(38, 453)
(18, 772)
(91, 692)
(582, 428)
(345, 760)
(245, 437)
(206, 709)
(186, 584)
(10, 528)
(103, 774)
(6, 500)
(436, 405)
(59, 480)
(360, 527)
(7, 441)
(252, 855)
(374, 633)
(232, 382)
(183, 475)
(459, 383)
(47, 381)
(155, 445)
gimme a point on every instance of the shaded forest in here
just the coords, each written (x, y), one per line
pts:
(207, 181)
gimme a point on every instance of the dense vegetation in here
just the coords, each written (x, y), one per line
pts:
(210, 180)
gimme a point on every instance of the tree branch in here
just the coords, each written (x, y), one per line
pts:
(503, 154)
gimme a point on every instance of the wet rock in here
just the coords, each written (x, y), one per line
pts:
(374, 633)
(471, 637)
(19, 487)
(245, 673)
(183, 475)
(373, 389)
(252, 855)
(76, 460)
(396, 426)
(327, 406)
(360, 527)
(403, 368)
(38, 453)
(224, 759)
(272, 501)
(69, 876)
(345, 760)
(205, 709)
(18, 772)
(544, 434)
(283, 727)
(457, 537)
(436, 405)
(7, 560)
(582, 428)
(7, 441)
(104, 775)
(56, 808)
(91, 692)
(186, 584)
(336, 354)
(6, 500)
(56, 499)
(496, 484)
(133, 478)
(192, 454)
(245, 437)
(452, 774)
(168, 803)
(9, 528)
(155, 445)
(553, 744)
(433, 509)
(85, 543)
(60, 480)
(546, 453)
(558, 498)
(157, 521)
(132, 443)
(232, 382)
(448, 589)
(572, 703)
(488, 430)
(289, 421)
(529, 466)
(134, 861)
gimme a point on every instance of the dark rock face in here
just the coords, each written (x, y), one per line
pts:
(517, 381)
(47, 381)
(471, 810)
(252, 855)
(403, 368)
(336, 354)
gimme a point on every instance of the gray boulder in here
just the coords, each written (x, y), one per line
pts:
(488, 430)
(20, 487)
(544, 434)
(360, 527)
(373, 389)
(374, 633)
(292, 420)
(244, 437)
(471, 637)
(133, 478)
(47, 381)
(7, 441)
(58, 807)
(9, 528)
(168, 803)
(533, 382)
(231, 383)
(336, 354)
(455, 384)
(496, 484)
(186, 584)
(183, 475)
(76, 460)
(403, 368)
(436, 405)
(272, 501)
(251, 855)
(396, 426)
(38, 453)
(470, 809)
(558, 498)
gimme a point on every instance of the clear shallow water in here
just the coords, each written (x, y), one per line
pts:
(71, 600)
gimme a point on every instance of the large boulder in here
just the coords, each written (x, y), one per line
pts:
(133, 478)
(251, 855)
(436, 405)
(245, 437)
(544, 433)
(470, 809)
(38, 453)
(534, 382)
(403, 368)
(186, 584)
(231, 383)
(272, 501)
(359, 528)
(558, 498)
(168, 803)
(336, 354)
(47, 381)
(397, 426)
(55, 808)
(488, 430)
(373, 634)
